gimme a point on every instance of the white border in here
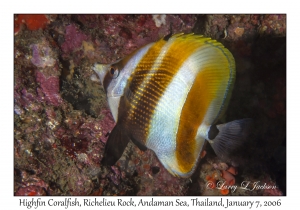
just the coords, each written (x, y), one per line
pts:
(8, 201)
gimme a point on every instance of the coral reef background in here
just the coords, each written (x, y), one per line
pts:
(61, 119)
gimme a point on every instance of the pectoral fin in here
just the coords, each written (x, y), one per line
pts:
(139, 144)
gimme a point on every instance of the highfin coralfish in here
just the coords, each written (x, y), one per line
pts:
(168, 96)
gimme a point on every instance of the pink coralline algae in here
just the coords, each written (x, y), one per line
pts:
(49, 89)
(234, 27)
(273, 24)
(73, 39)
(32, 185)
(119, 35)
(153, 177)
(41, 56)
(115, 176)
(31, 191)
(107, 124)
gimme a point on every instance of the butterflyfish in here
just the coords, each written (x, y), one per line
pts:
(168, 96)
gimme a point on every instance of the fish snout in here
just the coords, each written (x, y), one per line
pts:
(101, 70)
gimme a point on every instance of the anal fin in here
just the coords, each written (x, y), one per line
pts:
(115, 145)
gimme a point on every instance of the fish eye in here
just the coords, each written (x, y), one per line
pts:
(114, 72)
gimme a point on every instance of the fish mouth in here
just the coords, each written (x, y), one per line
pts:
(101, 70)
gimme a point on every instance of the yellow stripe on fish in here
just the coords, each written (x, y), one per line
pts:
(207, 95)
(166, 96)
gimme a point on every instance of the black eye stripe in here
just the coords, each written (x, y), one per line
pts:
(106, 81)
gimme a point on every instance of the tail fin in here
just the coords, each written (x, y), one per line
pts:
(231, 137)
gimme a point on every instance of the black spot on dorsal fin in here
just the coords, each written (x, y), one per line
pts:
(231, 137)
(213, 132)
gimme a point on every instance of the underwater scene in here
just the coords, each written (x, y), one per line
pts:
(150, 105)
